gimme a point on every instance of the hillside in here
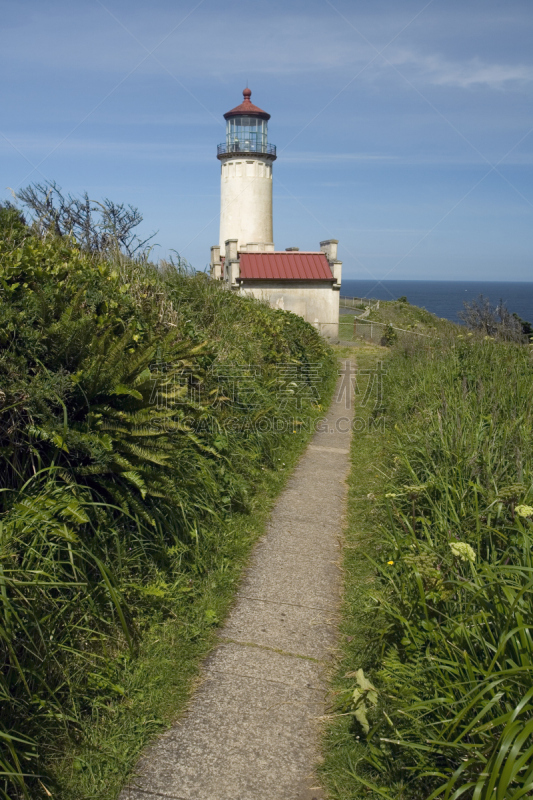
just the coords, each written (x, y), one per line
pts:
(394, 319)
(147, 418)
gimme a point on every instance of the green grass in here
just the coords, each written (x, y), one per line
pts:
(413, 318)
(439, 595)
(410, 321)
(366, 481)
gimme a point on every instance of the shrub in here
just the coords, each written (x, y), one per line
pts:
(390, 336)
(130, 397)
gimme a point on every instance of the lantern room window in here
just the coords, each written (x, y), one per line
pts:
(246, 134)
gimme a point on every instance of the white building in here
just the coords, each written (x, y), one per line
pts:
(307, 283)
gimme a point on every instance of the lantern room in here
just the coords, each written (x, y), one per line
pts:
(246, 130)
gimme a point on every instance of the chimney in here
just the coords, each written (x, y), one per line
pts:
(329, 248)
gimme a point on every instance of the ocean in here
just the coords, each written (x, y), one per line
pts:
(446, 298)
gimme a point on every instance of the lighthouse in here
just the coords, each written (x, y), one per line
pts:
(306, 283)
(246, 159)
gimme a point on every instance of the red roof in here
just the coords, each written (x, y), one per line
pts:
(285, 266)
(247, 108)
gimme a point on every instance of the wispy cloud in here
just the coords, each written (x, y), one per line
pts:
(291, 157)
(289, 44)
(407, 159)
(178, 152)
(146, 151)
(437, 70)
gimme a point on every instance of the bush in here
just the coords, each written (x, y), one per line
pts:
(390, 336)
(495, 321)
(13, 226)
(130, 403)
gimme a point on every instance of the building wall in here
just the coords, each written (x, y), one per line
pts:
(315, 301)
(246, 200)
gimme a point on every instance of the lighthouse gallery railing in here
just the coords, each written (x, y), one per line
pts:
(246, 147)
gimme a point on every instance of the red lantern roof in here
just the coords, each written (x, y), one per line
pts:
(285, 266)
(247, 108)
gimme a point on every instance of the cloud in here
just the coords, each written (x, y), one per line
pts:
(406, 159)
(40, 147)
(330, 158)
(281, 44)
(439, 71)
(171, 119)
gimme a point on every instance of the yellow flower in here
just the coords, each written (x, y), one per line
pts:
(390, 562)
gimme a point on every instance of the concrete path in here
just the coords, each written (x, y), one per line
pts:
(252, 729)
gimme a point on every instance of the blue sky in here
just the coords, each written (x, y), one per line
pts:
(404, 129)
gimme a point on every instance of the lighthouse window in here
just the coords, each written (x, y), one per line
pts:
(246, 134)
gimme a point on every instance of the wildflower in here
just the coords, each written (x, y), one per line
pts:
(524, 511)
(463, 551)
(390, 494)
(390, 562)
(414, 491)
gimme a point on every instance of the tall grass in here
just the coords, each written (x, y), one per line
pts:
(452, 606)
(131, 404)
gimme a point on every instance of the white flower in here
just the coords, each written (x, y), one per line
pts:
(463, 551)
(524, 511)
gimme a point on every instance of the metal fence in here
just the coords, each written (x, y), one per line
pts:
(371, 331)
(358, 302)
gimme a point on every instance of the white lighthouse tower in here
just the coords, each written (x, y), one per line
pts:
(306, 283)
(246, 179)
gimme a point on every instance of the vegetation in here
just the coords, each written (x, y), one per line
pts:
(482, 316)
(401, 314)
(435, 699)
(396, 318)
(138, 451)
(102, 227)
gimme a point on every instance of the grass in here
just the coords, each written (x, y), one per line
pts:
(366, 481)
(404, 315)
(409, 323)
(434, 695)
